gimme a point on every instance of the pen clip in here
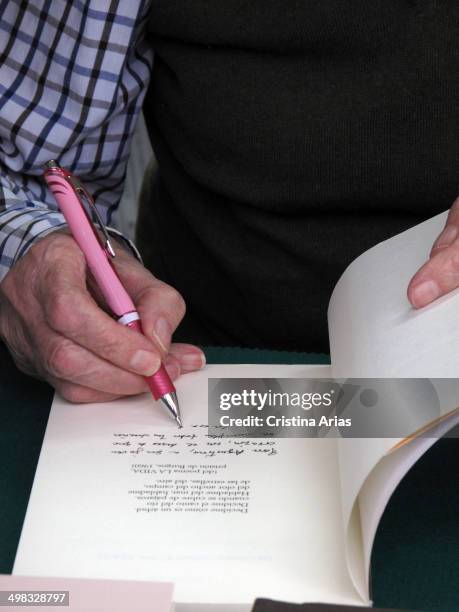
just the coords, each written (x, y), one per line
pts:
(83, 194)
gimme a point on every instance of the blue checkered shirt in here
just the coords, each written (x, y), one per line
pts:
(73, 76)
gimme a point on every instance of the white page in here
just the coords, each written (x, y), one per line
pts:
(374, 331)
(289, 545)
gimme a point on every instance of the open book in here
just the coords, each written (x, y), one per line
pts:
(121, 493)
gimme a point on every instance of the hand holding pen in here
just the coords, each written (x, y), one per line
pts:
(56, 327)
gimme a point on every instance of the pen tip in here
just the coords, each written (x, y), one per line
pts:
(171, 402)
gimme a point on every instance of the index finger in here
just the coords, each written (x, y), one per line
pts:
(70, 310)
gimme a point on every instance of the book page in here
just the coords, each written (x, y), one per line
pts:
(121, 492)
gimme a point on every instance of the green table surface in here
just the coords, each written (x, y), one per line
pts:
(415, 561)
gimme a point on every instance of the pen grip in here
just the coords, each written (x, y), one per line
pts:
(160, 383)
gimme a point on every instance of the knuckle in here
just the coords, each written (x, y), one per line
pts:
(174, 299)
(451, 270)
(61, 311)
(170, 299)
(181, 307)
(22, 361)
(73, 394)
(107, 344)
(101, 335)
(14, 290)
(58, 247)
(7, 284)
(17, 342)
(63, 361)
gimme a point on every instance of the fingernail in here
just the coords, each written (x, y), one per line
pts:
(425, 293)
(163, 333)
(145, 363)
(193, 361)
(448, 236)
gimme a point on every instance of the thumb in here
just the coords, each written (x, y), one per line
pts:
(160, 306)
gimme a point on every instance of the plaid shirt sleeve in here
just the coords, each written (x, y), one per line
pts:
(73, 77)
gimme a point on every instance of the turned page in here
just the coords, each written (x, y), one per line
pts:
(374, 331)
(120, 492)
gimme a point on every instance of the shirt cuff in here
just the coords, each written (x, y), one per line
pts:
(21, 229)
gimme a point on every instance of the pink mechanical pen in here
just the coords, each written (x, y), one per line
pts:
(70, 195)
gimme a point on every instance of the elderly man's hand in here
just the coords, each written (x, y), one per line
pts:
(440, 274)
(53, 322)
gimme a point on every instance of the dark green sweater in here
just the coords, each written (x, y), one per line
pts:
(291, 136)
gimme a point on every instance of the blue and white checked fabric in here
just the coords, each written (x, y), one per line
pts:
(73, 76)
